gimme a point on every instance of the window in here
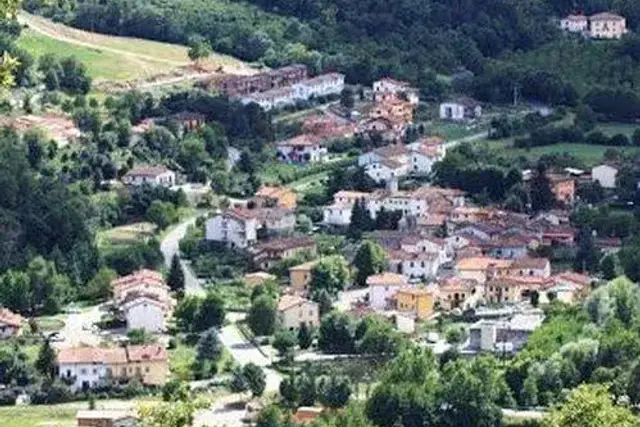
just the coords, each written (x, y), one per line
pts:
(147, 369)
(83, 371)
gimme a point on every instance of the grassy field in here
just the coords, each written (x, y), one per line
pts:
(110, 57)
(100, 64)
(589, 155)
(38, 416)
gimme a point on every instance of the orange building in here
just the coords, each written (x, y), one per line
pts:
(418, 301)
(280, 197)
(563, 188)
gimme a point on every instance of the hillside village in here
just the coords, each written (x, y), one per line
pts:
(296, 246)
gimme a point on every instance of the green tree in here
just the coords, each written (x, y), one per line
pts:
(370, 259)
(305, 336)
(361, 220)
(347, 99)
(542, 197)
(330, 274)
(255, 377)
(99, 287)
(211, 312)
(238, 383)
(284, 341)
(608, 267)
(199, 48)
(336, 334)
(307, 388)
(262, 315)
(590, 406)
(187, 311)
(587, 256)
(46, 361)
(378, 337)
(334, 392)
(161, 214)
(209, 346)
(176, 275)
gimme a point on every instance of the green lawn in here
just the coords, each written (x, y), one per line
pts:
(611, 129)
(589, 155)
(38, 416)
(101, 65)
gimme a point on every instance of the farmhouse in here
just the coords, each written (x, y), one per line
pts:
(152, 175)
(301, 149)
(605, 175)
(460, 109)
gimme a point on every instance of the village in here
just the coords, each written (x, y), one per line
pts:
(317, 239)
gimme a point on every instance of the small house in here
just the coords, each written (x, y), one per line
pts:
(460, 109)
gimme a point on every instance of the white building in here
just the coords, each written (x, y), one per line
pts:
(294, 311)
(144, 312)
(460, 109)
(383, 288)
(322, 85)
(301, 149)
(87, 366)
(607, 25)
(388, 86)
(386, 169)
(575, 24)
(338, 214)
(235, 227)
(605, 175)
(152, 175)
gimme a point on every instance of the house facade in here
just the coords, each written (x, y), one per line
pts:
(301, 149)
(268, 253)
(145, 313)
(383, 288)
(575, 24)
(419, 302)
(607, 25)
(10, 323)
(156, 176)
(460, 109)
(300, 275)
(294, 311)
(234, 227)
(605, 175)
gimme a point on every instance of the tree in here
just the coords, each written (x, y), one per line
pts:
(535, 298)
(590, 406)
(238, 383)
(330, 274)
(99, 287)
(199, 48)
(161, 214)
(255, 377)
(187, 312)
(347, 99)
(377, 337)
(176, 275)
(211, 312)
(542, 197)
(587, 256)
(305, 336)
(336, 334)
(608, 267)
(334, 392)
(46, 361)
(262, 315)
(370, 259)
(284, 341)
(635, 138)
(209, 346)
(170, 414)
(361, 220)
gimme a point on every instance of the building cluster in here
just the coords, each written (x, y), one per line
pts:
(143, 300)
(397, 160)
(91, 367)
(416, 206)
(603, 25)
(389, 116)
(281, 87)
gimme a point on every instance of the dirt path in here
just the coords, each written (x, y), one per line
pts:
(57, 32)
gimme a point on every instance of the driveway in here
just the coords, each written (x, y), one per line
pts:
(245, 352)
(78, 331)
(170, 247)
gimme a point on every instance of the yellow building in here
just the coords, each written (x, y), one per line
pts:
(300, 275)
(418, 301)
(148, 363)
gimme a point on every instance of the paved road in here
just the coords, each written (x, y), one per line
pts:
(244, 352)
(77, 329)
(170, 247)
